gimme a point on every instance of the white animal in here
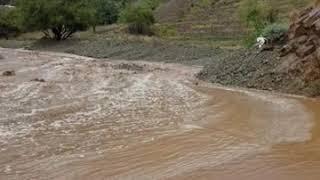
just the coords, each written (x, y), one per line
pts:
(261, 41)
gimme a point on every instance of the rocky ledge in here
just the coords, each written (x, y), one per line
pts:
(302, 51)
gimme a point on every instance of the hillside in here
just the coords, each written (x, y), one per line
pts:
(292, 68)
(214, 18)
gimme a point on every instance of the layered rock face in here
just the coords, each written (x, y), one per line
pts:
(302, 52)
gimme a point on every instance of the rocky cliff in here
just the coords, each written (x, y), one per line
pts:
(302, 52)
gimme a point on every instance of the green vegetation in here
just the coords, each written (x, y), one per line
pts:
(8, 22)
(268, 18)
(139, 18)
(256, 15)
(60, 19)
(275, 32)
(107, 11)
(210, 22)
(57, 19)
(149, 4)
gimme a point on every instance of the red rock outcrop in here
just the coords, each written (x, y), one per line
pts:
(303, 47)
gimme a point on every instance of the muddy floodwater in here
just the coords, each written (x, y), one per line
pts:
(69, 117)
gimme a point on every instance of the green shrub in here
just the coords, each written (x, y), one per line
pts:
(107, 11)
(58, 19)
(275, 32)
(256, 15)
(8, 22)
(150, 4)
(138, 18)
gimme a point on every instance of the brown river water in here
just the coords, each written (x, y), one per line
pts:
(69, 117)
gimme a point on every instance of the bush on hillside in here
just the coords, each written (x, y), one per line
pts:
(151, 4)
(107, 11)
(139, 19)
(8, 22)
(275, 32)
(57, 19)
(256, 15)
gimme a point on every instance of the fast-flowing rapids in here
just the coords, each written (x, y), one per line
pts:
(69, 117)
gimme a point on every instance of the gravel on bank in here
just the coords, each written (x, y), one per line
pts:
(155, 51)
(258, 70)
